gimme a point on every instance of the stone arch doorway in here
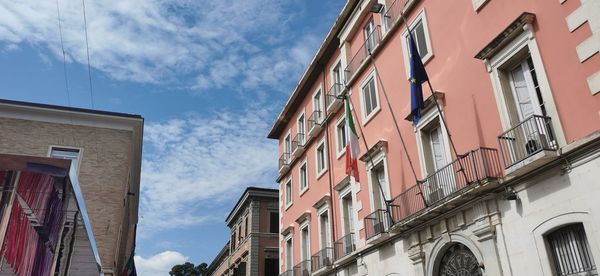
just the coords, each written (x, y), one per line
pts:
(458, 260)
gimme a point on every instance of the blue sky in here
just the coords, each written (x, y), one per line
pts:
(209, 77)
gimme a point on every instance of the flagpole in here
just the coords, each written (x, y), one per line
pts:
(437, 105)
(387, 202)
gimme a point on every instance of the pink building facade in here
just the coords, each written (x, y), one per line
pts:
(499, 180)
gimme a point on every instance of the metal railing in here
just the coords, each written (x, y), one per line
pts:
(344, 246)
(321, 259)
(284, 160)
(298, 141)
(288, 272)
(393, 12)
(302, 268)
(315, 119)
(365, 50)
(527, 138)
(474, 166)
(334, 94)
(376, 223)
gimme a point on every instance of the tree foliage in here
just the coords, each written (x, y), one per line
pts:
(188, 269)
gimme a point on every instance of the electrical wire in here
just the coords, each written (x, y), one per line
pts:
(87, 47)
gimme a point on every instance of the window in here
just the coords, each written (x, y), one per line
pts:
(420, 33)
(378, 178)
(288, 253)
(287, 144)
(324, 233)
(321, 156)
(301, 129)
(435, 157)
(72, 154)
(318, 106)
(525, 91)
(288, 193)
(570, 251)
(305, 242)
(303, 177)
(340, 135)
(246, 226)
(233, 240)
(347, 214)
(240, 237)
(370, 99)
(369, 30)
(273, 222)
(336, 74)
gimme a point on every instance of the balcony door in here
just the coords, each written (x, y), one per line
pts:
(369, 36)
(530, 134)
(440, 179)
(337, 75)
(317, 106)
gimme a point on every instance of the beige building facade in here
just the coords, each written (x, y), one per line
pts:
(253, 246)
(105, 149)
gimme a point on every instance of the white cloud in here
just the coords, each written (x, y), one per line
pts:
(156, 41)
(159, 264)
(193, 164)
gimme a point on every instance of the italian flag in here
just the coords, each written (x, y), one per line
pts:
(352, 149)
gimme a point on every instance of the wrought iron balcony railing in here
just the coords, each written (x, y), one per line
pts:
(298, 143)
(333, 99)
(363, 53)
(376, 223)
(394, 12)
(344, 246)
(527, 138)
(284, 161)
(302, 268)
(323, 258)
(477, 165)
(315, 121)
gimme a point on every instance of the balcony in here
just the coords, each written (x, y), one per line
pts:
(529, 144)
(447, 187)
(323, 259)
(377, 225)
(394, 13)
(334, 100)
(315, 122)
(344, 246)
(298, 144)
(302, 268)
(284, 163)
(288, 272)
(363, 53)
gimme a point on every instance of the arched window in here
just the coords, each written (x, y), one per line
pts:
(458, 260)
(570, 250)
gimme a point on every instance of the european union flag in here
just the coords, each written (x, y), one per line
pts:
(418, 76)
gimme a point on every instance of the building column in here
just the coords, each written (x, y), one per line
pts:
(485, 231)
(253, 253)
(416, 254)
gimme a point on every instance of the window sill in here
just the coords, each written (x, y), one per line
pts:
(303, 191)
(341, 153)
(321, 173)
(287, 206)
(368, 118)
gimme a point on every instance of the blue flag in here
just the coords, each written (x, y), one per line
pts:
(418, 76)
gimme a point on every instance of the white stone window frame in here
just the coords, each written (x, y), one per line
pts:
(524, 41)
(58, 147)
(379, 158)
(547, 226)
(300, 188)
(366, 118)
(321, 102)
(289, 134)
(340, 151)
(291, 198)
(303, 131)
(345, 191)
(324, 209)
(426, 120)
(286, 238)
(421, 16)
(320, 173)
(305, 225)
(337, 61)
